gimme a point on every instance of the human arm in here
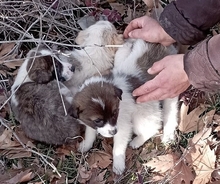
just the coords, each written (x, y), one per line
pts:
(185, 21)
(199, 67)
(188, 21)
(202, 65)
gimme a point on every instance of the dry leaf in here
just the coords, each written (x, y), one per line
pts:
(170, 165)
(155, 12)
(11, 148)
(203, 164)
(216, 118)
(18, 165)
(214, 32)
(201, 137)
(119, 7)
(151, 3)
(13, 62)
(5, 48)
(183, 173)
(101, 158)
(23, 176)
(201, 157)
(97, 177)
(129, 17)
(161, 163)
(55, 179)
(107, 145)
(84, 174)
(6, 140)
(192, 121)
(13, 153)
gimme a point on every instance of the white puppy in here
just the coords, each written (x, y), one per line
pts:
(96, 56)
(106, 106)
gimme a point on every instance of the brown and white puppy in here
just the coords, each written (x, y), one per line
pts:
(97, 103)
(94, 57)
(37, 103)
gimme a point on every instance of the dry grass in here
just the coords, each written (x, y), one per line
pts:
(26, 24)
(23, 25)
(35, 22)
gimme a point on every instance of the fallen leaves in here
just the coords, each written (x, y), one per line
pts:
(100, 158)
(201, 157)
(194, 121)
(22, 176)
(11, 148)
(171, 166)
(9, 59)
(196, 163)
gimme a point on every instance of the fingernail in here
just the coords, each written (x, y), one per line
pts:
(149, 70)
(130, 34)
(134, 94)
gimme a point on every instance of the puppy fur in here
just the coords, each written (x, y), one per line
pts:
(36, 102)
(94, 59)
(97, 103)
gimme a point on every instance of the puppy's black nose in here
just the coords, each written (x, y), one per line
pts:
(61, 79)
(113, 132)
(72, 69)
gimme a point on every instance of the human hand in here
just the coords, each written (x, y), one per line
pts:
(170, 81)
(148, 29)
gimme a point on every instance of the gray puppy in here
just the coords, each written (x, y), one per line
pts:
(37, 103)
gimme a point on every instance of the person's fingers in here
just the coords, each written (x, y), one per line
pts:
(137, 33)
(135, 24)
(154, 95)
(145, 88)
(161, 94)
(156, 68)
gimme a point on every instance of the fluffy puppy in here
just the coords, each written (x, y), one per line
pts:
(106, 106)
(94, 57)
(37, 103)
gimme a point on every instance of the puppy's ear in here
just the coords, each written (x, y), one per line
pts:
(75, 111)
(81, 37)
(118, 92)
(118, 39)
(41, 70)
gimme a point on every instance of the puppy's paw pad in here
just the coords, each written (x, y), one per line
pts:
(119, 165)
(83, 147)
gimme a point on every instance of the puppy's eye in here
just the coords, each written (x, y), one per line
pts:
(99, 122)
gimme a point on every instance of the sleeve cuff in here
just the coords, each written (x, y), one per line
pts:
(200, 70)
(178, 27)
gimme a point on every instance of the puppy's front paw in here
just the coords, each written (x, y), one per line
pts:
(119, 164)
(168, 138)
(84, 146)
(137, 142)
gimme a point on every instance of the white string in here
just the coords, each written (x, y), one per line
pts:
(58, 84)
(156, 10)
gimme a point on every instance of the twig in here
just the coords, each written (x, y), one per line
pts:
(58, 84)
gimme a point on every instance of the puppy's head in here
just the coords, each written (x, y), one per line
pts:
(42, 68)
(97, 106)
(100, 33)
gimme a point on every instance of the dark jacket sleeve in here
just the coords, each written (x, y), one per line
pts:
(202, 65)
(188, 21)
